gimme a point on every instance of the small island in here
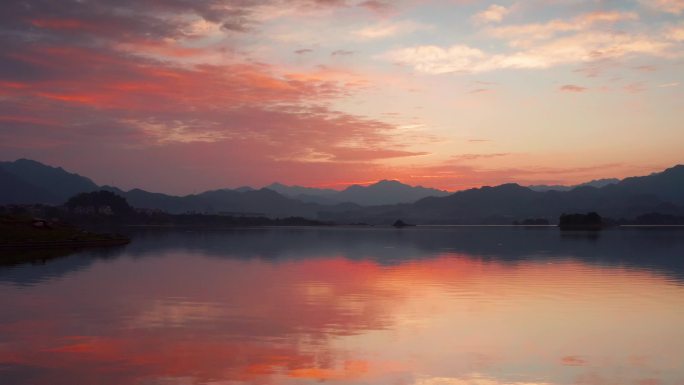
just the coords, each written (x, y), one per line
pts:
(399, 224)
(589, 221)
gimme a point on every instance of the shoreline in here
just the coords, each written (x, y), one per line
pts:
(63, 244)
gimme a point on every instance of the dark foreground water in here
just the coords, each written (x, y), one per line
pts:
(440, 306)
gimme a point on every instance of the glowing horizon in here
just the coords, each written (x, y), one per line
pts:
(179, 97)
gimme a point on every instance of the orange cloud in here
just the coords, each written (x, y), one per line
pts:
(494, 14)
(351, 370)
(573, 361)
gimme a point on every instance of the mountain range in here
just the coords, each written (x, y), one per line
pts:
(594, 183)
(28, 181)
(384, 192)
(661, 192)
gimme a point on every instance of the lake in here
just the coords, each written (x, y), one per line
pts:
(413, 306)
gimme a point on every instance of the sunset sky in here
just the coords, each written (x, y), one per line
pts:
(182, 96)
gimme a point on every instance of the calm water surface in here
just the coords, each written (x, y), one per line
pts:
(441, 306)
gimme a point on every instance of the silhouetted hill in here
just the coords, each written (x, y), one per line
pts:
(45, 184)
(148, 200)
(667, 185)
(657, 193)
(306, 194)
(16, 191)
(26, 181)
(594, 183)
(263, 202)
(387, 192)
(380, 193)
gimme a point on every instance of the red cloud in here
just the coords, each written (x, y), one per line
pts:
(102, 98)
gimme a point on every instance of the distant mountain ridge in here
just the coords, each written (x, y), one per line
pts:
(16, 190)
(379, 193)
(305, 194)
(26, 181)
(656, 193)
(594, 183)
(263, 202)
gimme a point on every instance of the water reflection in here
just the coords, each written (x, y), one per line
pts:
(281, 306)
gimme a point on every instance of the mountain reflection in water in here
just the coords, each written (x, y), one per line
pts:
(438, 306)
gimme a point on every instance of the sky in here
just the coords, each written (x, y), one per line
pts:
(183, 96)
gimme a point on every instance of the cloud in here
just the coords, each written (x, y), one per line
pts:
(481, 91)
(380, 7)
(387, 29)
(536, 46)
(668, 85)
(635, 88)
(436, 60)
(473, 379)
(303, 51)
(572, 88)
(125, 20)
(645, 68)
(589, 19)
(468, 157)
(494, 14)
(524, 34)
(675, 7)
(365, 154)
(573, 361)
(675, 33)
(597, 67)
(341, 52)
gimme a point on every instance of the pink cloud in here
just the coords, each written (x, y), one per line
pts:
(573, 88)
(481, 91)
(377, 6)
(466, 157)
